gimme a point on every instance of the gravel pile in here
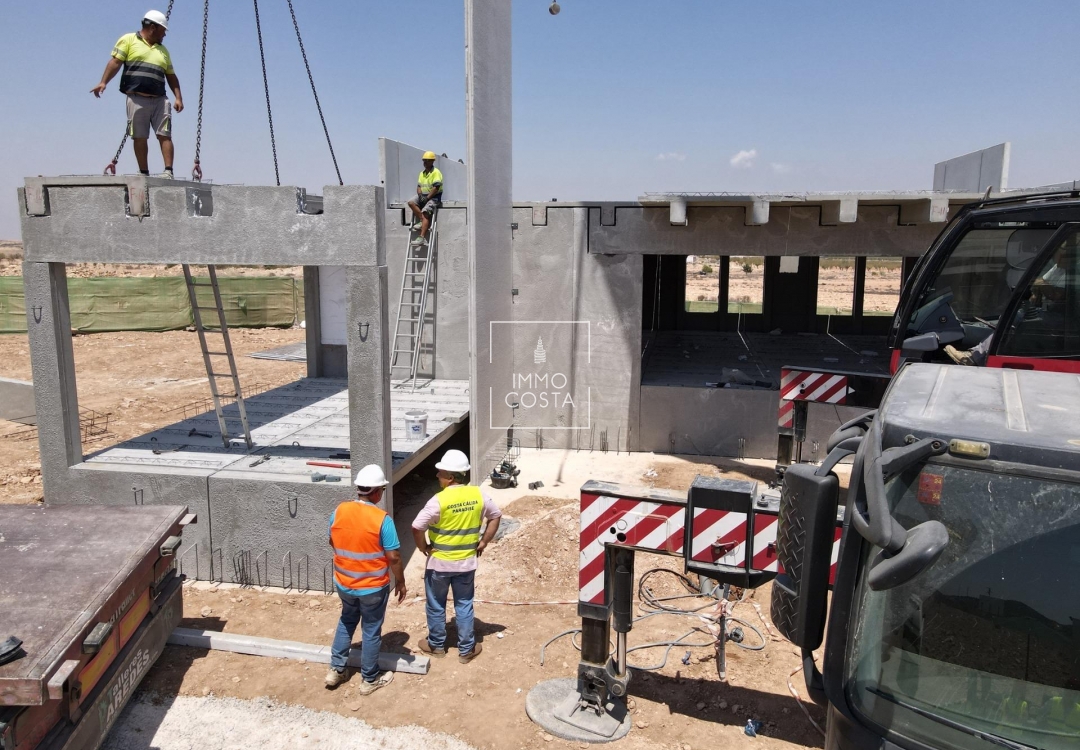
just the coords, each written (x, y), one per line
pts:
(187, 723)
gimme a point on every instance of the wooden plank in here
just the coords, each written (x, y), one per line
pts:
(60, 678)
(256, 646)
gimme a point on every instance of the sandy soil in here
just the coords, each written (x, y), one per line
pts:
(835, 285)
(139, 380)
(677, 706)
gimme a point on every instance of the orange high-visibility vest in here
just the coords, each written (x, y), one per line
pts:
(359, 558)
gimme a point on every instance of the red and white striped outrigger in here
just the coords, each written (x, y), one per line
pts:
(721, 515)
(801, 386)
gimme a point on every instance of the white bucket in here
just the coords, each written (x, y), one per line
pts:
(416, 425)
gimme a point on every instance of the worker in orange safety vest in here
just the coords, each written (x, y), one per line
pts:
(366, 546)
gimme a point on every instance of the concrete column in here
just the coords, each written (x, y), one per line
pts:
(488, 109)
(369, 372)
(312, 322)
(48, 320)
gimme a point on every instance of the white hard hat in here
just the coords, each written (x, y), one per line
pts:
(371, 476)
(156, 16)
(453, 461)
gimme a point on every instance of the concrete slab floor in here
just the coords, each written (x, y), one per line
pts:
(290, 425)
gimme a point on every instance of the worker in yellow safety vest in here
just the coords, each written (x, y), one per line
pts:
(147, 69)
(366, 545)
(429, 189)
(450, 531)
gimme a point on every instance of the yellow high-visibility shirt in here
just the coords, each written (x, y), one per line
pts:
(428, 181)
(145, 65)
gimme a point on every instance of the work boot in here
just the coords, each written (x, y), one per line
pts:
(367, 688)
(959, 356)
(335, 678)
(466, 658)
(438, 653)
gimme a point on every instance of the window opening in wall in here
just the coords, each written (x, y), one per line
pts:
(836, 286)
(702, 283)
(746, 284)
(882, 292)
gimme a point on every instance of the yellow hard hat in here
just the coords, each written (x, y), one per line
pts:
(429, 155)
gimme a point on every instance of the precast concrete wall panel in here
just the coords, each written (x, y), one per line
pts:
(400, 164)
(449, 308)
(86, 484)
(488, 84)
(247, 226)
(791, 230)
(728, 422)
(262, 527)
(976, 172)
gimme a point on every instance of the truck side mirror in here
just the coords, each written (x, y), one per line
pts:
(922, 548)
(804, 543)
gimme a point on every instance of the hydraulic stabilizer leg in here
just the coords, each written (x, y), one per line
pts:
(596, 710)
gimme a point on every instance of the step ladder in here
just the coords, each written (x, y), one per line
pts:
(215, 359)
(412, 304)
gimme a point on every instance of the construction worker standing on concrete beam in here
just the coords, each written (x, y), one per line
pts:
(147, 68)
(366, 546)
(453, 520)
(429, 188)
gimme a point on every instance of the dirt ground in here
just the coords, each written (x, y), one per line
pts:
(836, 285)
(678, 706)
(140, 380)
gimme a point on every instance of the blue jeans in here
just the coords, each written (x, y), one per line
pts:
(370, 609)
(436, 587)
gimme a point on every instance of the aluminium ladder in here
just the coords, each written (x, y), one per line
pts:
(212, 375)
(412, 304)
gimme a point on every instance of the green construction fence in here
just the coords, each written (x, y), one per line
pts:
(160, 303)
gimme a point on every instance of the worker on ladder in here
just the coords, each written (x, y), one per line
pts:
(429, 189)
(147, 68)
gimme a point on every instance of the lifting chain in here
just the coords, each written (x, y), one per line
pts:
(314, 92)
(111, 167)
(266, 87)
(196, 171)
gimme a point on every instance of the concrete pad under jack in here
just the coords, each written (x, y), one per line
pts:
(551, 705)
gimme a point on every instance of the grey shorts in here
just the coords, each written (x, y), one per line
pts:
(146, 113)
(426, 205)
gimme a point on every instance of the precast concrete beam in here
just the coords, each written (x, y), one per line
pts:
(929, 211)
(98, 221)
(844, 211)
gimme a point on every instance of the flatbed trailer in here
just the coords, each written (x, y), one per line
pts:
(92, 593)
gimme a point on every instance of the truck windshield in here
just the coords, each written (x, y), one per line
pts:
(980, 273)
(987, 639)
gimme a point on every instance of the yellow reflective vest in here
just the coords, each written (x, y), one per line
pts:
(455, 535)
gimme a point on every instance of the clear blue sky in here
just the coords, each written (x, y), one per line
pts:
(612, 98)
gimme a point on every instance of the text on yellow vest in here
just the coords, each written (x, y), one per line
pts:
(455, 535)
